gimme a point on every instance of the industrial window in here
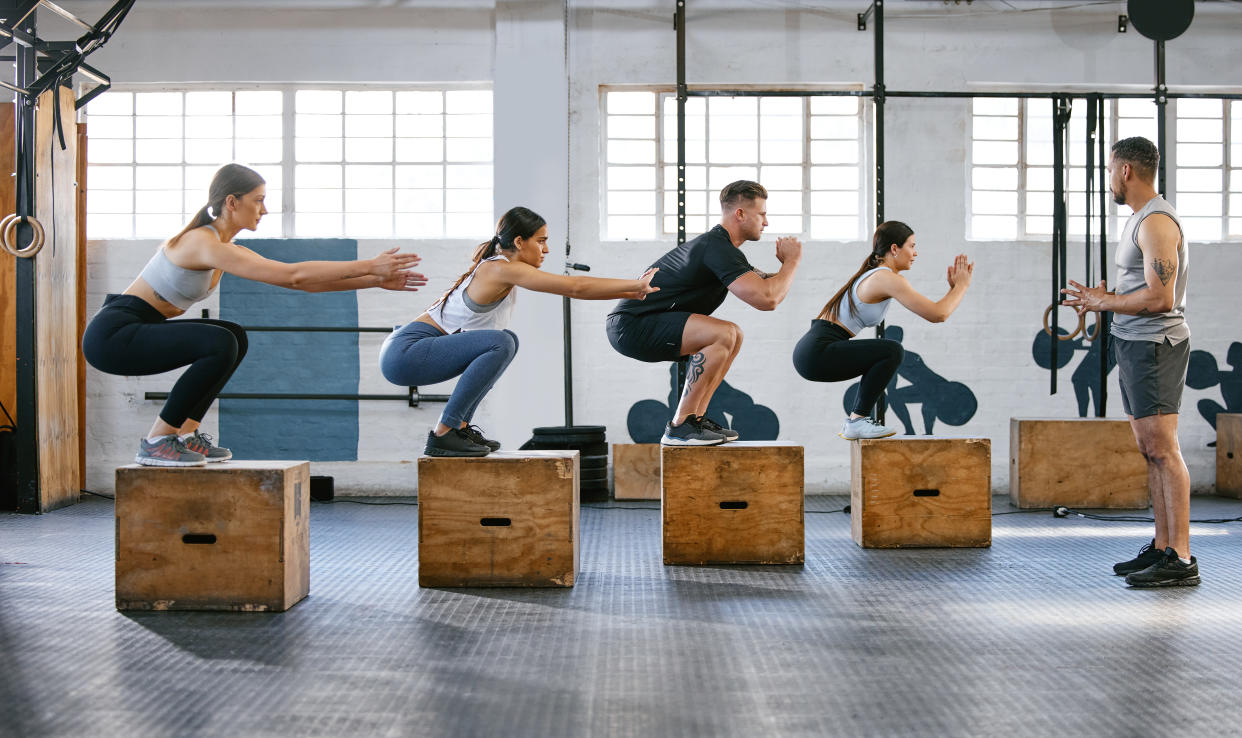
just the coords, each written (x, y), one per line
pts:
(152, 154)
(1011, 174)
(1208, 157)
(360, 163)
(807, 151)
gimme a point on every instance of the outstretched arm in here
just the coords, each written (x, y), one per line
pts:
(199, 251)
(765, 291)
(521, 274)
(888, 284)
(1158, 238)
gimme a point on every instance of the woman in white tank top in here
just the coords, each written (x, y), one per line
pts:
(829, 351)
(132, 334)
(465, 333)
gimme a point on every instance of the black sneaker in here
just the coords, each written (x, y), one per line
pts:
(711, 425)
(690, 433)
(454, 443)
(476, 435)
(1147, 556)
(1169, 571)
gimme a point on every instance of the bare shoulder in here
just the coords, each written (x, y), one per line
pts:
(1158, 229)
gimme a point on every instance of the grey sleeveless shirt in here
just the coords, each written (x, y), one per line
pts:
(179, 286)
(866, 314)
(1130, 278)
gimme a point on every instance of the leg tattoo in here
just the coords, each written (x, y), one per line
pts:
(693, 372)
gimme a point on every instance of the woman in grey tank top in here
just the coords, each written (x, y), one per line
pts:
(829, 351)
(132, 334)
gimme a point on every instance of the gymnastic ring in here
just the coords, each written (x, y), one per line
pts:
(1082, 323)
(8, 234)
(1095, 329)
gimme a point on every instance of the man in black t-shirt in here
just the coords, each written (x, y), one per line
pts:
(694, 279)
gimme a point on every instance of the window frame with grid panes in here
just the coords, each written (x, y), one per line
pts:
(795, 163)
(1015, 165)
(330, 157)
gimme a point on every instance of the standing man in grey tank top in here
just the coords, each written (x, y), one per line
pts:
(1152, 344)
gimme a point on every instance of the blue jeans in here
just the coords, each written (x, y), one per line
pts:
(418, 353)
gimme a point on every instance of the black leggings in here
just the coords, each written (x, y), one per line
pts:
(129, 337)
(827, 354)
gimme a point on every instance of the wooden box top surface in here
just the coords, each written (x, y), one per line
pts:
(736, 444)
(1068, 420)
(222, 467)
(502, 456)
(920, 439)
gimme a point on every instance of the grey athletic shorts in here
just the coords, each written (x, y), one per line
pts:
(1152, 375)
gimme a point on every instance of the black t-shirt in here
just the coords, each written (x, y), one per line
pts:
(693, 278)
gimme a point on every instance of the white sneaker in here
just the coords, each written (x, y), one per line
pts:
(860, 428)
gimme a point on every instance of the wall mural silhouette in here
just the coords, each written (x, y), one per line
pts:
(1086, 376)
(729, 407)
(940, 399)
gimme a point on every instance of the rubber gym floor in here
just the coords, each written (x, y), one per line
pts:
(1033, 636)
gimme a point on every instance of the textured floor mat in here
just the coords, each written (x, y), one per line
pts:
(1033, 636)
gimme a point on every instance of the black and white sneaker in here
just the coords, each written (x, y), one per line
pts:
(1147, 556)
(690, 433)
(454, 443)
(1169, 571)
(711, 425)
(476, 435)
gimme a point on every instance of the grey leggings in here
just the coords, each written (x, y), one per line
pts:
(418, 353)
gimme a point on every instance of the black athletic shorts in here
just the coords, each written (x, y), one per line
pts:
(1152, 375)
(651, 337)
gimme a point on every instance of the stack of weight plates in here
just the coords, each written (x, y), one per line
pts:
(588, 441)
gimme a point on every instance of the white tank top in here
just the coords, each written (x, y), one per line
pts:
(460, 313)
(865, 314)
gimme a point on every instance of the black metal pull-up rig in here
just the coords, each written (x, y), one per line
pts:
(40, 66)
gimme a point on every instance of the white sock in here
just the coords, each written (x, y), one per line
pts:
(185, 436)
(157, 439)
(1184, 561)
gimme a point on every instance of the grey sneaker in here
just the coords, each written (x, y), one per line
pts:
(454, 443)
(476, 435)
(1147, 556)
(201, 443)
(690, 433)
(1169, 571)
(711, 425)
(861, 428)
(167, 451)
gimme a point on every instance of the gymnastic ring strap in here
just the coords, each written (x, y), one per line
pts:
(1082, 323)
(8, 235)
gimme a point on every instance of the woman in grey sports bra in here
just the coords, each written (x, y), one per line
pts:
(132, 334)
(829, 351)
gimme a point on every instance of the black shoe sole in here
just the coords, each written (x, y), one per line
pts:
(1187, 582)
(448, 453)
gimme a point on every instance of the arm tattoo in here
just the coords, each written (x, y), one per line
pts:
(1164, 268)
(763, 274)
(1144, 312)
(693, 372)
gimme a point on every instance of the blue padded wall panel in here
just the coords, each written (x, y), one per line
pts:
(318, 430)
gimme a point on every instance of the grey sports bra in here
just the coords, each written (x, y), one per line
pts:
(179, 286)
(865, 314)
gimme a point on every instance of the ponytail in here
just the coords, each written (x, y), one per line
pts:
(518, 222)
(888, 233)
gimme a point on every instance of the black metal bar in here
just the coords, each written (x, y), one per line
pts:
(567, 353)
(305, 396)
(28, 461)
(1060, 128)
(1089, 190)
(878, 97)
(1023, 94)
(1103, 317)
(1162, 102)
(313, 329)
(679, 22)
(864, 16)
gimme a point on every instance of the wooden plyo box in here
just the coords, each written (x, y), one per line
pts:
(921, 492)
(636, 471)
(1076, 462)
(737, 503)
(508, 519)
(1229, 454)
(230, 536)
